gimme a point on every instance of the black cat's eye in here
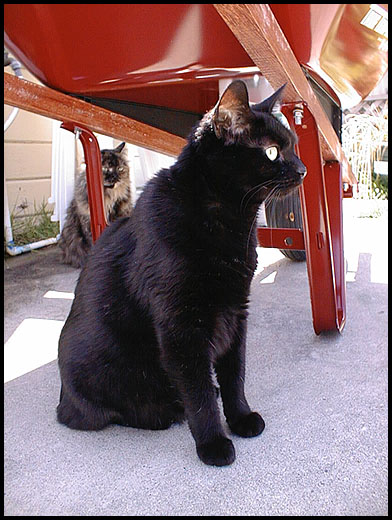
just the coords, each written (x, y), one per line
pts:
(272, 152)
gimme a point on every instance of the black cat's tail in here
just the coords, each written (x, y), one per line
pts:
(81, 414)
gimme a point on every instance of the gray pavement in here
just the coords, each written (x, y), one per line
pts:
(323, 398)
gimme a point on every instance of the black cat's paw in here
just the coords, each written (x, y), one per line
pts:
(219, 452)
(248, 425)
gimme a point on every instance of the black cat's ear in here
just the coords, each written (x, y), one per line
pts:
(232, 113)
(119, 148)
(268, 104)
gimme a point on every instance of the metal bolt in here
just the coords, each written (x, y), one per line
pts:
(298, 113)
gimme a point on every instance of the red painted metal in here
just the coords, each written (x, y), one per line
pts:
(178, 63)
(321, 201)
(348, 192)
(346, 57)
(334, 190)
(169, 55)
(173, 55)
(281, 238)
(92, 156)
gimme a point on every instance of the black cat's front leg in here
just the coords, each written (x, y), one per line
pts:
(230, 370)
(186, 360)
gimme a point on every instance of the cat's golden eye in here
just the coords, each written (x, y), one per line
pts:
(272, 152)
(121, 169)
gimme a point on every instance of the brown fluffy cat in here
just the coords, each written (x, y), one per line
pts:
(75, 240)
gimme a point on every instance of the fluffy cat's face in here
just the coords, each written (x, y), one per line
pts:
(114, 166)
(256, 134)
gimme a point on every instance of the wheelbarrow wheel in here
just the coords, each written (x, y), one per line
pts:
(286, 213)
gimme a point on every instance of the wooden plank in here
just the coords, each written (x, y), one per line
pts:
(257, 30)
(51, 103)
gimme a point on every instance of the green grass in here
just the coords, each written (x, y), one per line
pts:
(31, 228)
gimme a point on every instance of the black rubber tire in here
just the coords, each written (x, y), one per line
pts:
(286, 213)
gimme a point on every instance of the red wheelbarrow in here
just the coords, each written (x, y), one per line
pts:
(149, 74)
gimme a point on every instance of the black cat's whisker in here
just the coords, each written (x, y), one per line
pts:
(212, 345)
(261, 185)
(250, 234)
(255, 189)
(270, 195)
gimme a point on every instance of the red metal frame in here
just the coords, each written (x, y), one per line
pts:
(92, 156)
(256, 39)
(321, 194)
(183, 49)
(321, 202)
(335, 195)
(281, 238)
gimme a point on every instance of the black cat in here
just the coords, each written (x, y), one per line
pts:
(162, 300)
(75, 240)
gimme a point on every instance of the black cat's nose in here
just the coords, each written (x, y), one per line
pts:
(303, 171)
(300, 168)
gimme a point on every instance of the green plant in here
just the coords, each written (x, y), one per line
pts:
(380, 186)
(31, 228)
(364, 137)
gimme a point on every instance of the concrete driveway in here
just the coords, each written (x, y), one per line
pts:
(323, 398)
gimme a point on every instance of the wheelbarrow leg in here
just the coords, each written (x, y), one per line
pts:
(321, 202)
(334, 188)
(92, 156)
